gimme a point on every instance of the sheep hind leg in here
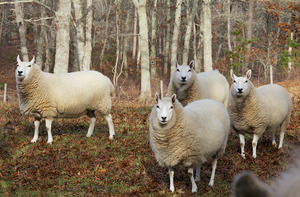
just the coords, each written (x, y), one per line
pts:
(171, 174)
(212, 177)
(36, 130)
(92, 116)
(273, 139)
(197, 177)
(282, 131)
(110, 126)
(48, 127)
(191, 175)
(242, 143)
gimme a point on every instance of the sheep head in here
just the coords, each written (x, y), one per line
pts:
(164, 108)
(23, 69)
(184, 73)
(241, 85)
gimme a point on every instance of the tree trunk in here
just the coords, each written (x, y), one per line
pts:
(167, 39)
(88, 36)
(175, 35)
(249, 29)
(207, 36)
(153, 40)
(41, 39)
(62, 36)
(126, 44)
(106, 34)
(144, 48)
(134, 33)
(22, 30)
(228, 27)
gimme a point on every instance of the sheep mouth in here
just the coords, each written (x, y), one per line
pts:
(163, 121)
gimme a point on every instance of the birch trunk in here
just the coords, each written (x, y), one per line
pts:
(22, 30)
(88, 36)
(153, 39)
(228, 27)
(144, 49)
(167, 40)
(249, 29)
(207, 36)
(134, 33)
(290, 61)
(62, 36)
(41, 39)
(189, 33)
(175, 35)
(106, 34)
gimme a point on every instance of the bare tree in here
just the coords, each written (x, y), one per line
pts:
(207, 36)
(167, 39)
(249, 29)
(62, 36)
(144, 49)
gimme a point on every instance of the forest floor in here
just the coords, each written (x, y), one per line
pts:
(75, 165)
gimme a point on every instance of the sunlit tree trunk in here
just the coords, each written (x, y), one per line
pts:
(207, 36)
(62, 36)
(22, 30)
(167, 39)
(134, 33)
(189, 33)
(144, 49)
(175, 35)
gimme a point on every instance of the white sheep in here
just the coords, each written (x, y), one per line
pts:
(188, 135)
(190, 86)
(246, 184)
(256, 110)
(70, 95)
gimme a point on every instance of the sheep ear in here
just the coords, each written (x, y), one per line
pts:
(156, 97)
(232, 74)
(32, 61)
(248, 74)
(18, 59)
(173, 98)
(241, 186)
(192, 64)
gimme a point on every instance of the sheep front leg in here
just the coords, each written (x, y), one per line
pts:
(212, 177)
(171, 174)
(254, 145)
(197, 177)
(242, 142)
(273, 139)
(36, 130)
(48, 127)
(110, 126)
(191, 175)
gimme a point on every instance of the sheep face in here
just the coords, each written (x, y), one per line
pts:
(184, 73)
(23, 69)
(164, 108)
(240, 86)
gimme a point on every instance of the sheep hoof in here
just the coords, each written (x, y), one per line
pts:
(243, 155)
(49, 142)
(111, 137)
(211, 183)
(172, 189)
(254, 156)
(88, 135)
(274, 144)
(34, 140)
(194, 190)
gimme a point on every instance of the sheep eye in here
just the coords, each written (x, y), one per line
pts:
(246, 81)
(190, 70)
(234, 81)
(171, 107)
(157, 106)
(178, 70)
(29, 65)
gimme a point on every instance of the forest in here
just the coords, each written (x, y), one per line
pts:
(136, 44)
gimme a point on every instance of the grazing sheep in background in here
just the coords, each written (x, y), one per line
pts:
(246, 184)
(256, 110)
(189, 86)
(190, 135)
(70, 95)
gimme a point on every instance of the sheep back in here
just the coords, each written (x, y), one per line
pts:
(194, 134)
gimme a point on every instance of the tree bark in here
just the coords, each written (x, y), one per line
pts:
(207, 36)
(175, 35)
(228, 26)
(153, 39)
(189, 33)
(22, 30)
(41, 39)
(167, 40)
(144, 49)
(134, 33)
(249, 29)
(62, 36)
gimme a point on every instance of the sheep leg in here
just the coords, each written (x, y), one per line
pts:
(212, 177)
(282, 131)
(92, 116)
(242, 142)
(36, 130)
(110, 126)
(197, 177)
(171, 174)
(191, 175)
(254, 145)
(273, 139)
(48, 127)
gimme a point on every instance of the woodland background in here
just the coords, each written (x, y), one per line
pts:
(135, 43)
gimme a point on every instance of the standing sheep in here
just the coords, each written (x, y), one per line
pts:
(70, 95)
(189, 135)
(256, 110)
(189, 86)
(246, 184)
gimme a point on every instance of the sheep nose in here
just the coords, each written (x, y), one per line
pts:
(183, 78)
(240, 89)
(164, 118)
(20, 72)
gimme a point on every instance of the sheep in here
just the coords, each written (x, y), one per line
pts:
(189, 86)
(258, 110)
(70, 95)
(188, 135)
(245, 184)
